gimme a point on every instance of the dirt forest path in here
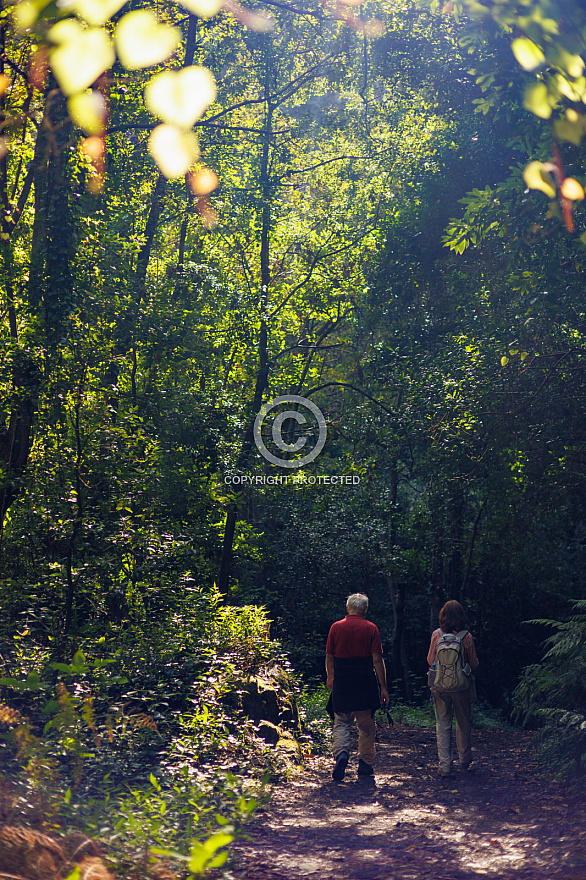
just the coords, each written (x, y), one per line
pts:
(498, 819)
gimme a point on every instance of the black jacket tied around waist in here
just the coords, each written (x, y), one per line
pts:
(355, 686)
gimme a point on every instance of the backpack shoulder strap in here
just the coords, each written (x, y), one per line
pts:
(462, 635)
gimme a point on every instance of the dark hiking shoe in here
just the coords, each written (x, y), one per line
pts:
(340, 768)
(465, 765)
(365, 769)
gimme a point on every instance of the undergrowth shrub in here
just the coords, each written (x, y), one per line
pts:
(130, 741)
(553, 693)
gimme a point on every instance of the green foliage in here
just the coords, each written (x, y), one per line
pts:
(461, 234)
(549, 44)
(447, 356)
(80, 48)
(553, 693)
(149, 759)
(316, 721)
(240, 634)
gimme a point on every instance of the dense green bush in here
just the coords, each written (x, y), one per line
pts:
(132, 742)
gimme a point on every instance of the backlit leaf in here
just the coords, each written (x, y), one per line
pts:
(142, 42)
(97, 11)
(504, 361)
(536, 100)
(180, 97)
(527, 53)
(569, 130)
(81, 57)
(203, 855)
(88, 112)
(219, 860)
(575, 91)
(79, 657)
(571, 189)
(173, 150)
(65, 31)
(568, 63)
(203, 8)
(536, 177)
(27, 11)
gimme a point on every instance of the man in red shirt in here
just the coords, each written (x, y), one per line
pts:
(354, 662)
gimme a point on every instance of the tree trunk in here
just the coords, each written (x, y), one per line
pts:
(464, 587)
(50, 288)
(399, 659)
(262, 374)
(454, 568)
(243, 457)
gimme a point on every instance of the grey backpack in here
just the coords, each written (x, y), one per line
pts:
(452, 673)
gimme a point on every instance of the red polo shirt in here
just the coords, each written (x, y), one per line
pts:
(353, 637)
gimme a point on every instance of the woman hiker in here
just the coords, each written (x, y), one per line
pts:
(453, 689)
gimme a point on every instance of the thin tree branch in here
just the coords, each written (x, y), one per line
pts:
(352, 388)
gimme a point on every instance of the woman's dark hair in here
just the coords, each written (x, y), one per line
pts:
(452, 617)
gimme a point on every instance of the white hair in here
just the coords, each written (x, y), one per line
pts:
(358, 603)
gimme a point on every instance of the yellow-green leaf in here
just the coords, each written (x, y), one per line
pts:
(567, 130)
(203, 8)
(65, 31)
(142, 42)
(219, 860)
(180, 97)
(575, 91)
(537, 177)
(88, 111)
(97, 11)
(573, 65)
(527, 53)
(536, 100)
(81, 58)
(524, 355)
(26, 13)
(504, 361)
(173, 150)
(202, 854)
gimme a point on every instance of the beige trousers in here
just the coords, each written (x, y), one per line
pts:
(446, 706)
(342, 736)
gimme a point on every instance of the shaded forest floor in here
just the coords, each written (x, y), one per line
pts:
(500, 818)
